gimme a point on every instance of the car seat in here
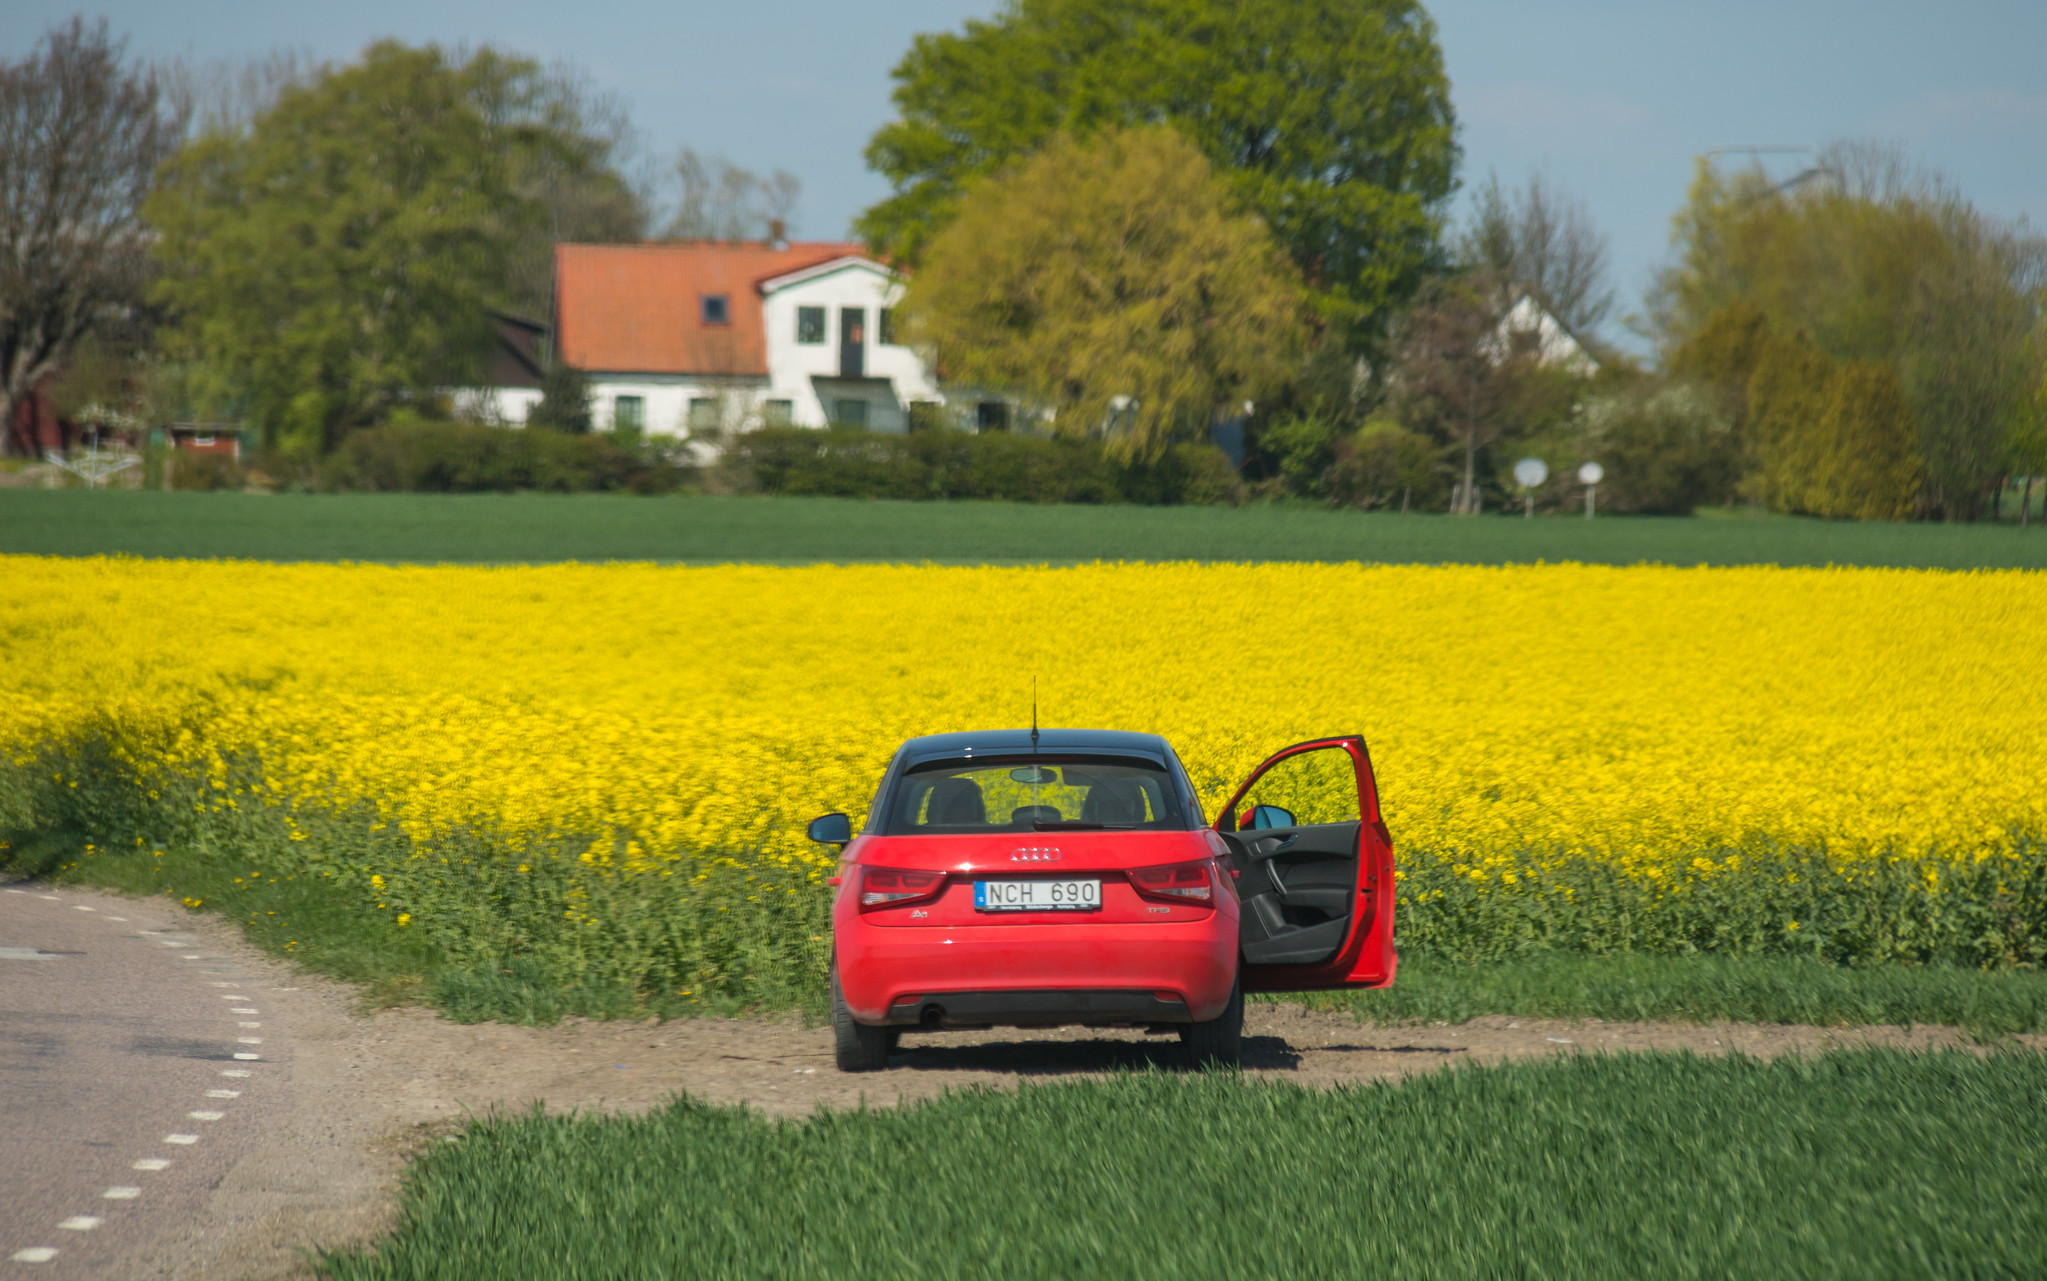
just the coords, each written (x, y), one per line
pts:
(1115, 801)
(956, 802)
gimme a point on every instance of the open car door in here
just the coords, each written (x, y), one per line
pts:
(1314, 866)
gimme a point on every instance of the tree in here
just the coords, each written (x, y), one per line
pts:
(1330, 119)
(1540, 241)
(721, 201)
(335, 262)
(1666, 449)
(564, 403)
(1452, 376)
(1874, 261)
(573, 160)
(80, 141)
(1109, 281)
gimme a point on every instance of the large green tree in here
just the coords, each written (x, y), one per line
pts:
(1874, 262)
(337, 256)
(1329, 118)
(1109, 281)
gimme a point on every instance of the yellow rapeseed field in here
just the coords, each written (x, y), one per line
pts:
(1656, 722)
(1623, 712)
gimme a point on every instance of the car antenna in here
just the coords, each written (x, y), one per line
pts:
(1034, 714)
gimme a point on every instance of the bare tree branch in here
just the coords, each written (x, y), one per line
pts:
(1539, 240)
(721, 201)
(80, 141)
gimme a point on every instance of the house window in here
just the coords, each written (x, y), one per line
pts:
(628, 413)
(717, 309)
(778, 413)
(204, 441)
(704, 415)
(992, 415)
(885, 326)
(810, 324)
(849, 413)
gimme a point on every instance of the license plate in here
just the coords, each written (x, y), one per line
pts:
(1037, 896)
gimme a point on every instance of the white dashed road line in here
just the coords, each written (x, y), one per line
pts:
(127, 1192)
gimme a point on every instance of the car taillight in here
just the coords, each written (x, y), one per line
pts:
(1179, 882)
(889, 886)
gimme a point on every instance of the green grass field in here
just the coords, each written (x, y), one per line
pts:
(531, 528)
(1862, 1164)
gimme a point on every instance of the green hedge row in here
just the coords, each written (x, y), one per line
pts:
(462, 458)
(842, 463)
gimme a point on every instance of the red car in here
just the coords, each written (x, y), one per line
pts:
(1038, 879)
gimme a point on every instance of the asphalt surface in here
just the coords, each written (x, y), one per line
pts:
(136, 1067)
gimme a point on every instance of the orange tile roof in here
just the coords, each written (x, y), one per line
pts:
(639, 308)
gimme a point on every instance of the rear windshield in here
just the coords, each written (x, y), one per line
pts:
(1035, 794)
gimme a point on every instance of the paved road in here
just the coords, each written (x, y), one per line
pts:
(136, 1067)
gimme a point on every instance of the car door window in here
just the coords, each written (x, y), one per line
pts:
(1310, 789)
(1293, 838)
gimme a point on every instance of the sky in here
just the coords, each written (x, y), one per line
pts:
(1613, 99)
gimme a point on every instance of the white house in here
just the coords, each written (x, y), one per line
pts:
(1528, 326)
(694, 337)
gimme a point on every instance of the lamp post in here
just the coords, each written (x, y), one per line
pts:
(1529, 473)
(1590, 475)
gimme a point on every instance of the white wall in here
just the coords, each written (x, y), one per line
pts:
(504, 406)
(794, 367)
(665, 400)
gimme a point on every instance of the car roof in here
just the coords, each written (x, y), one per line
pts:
(1005, 741)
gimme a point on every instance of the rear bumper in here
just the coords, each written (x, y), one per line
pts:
(1095, 1007)
(1038, 975)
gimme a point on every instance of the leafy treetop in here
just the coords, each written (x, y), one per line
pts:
(1108, 280)
(1329, 118)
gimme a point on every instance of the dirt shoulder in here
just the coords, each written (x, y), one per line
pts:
(371, 1089)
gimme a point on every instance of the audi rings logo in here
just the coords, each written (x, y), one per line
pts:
(1035, 854)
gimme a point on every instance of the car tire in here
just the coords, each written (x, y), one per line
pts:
(1219, 1042)
(855, 1046)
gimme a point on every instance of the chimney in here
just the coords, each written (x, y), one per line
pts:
(778, 234)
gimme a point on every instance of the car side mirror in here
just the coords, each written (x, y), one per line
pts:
(831, 829)
(1268, 816)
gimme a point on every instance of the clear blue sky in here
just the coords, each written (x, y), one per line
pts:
(1615, 97)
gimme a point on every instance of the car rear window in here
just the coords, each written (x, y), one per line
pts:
(1029, 794)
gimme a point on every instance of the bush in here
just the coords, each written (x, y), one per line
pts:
(462, 458)
(932, 464)
(207, 471)
(1385, 465)
(1665, 450)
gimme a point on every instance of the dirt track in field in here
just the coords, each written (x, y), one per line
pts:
(369, 1089)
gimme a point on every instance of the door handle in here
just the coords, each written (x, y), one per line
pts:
(1272, 845)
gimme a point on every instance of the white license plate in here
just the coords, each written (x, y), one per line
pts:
(1037, 896)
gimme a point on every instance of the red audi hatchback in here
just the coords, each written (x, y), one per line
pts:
(1045, 878)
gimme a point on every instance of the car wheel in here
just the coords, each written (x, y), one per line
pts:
(857, 1047)
(1219, 1041)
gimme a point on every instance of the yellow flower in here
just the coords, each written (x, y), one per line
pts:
(1518, 717)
